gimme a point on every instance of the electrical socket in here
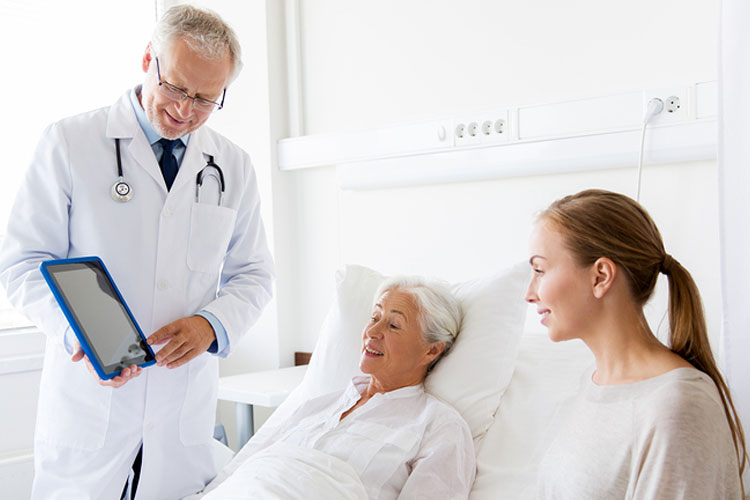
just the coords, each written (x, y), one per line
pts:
(466, 131)
(481, 128)
(675, 104)
(495, 127)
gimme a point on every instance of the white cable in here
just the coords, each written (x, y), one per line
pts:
(655, 106)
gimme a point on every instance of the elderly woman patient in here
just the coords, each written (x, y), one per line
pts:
(382, 437)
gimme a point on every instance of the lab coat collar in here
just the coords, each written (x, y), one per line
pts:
(121, 120)
(122, 124)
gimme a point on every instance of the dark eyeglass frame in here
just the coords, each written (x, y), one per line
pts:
(178, 95)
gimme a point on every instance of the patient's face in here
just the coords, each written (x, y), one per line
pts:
(559, 286)
(393, 349)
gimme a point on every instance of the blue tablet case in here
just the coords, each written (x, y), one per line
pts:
(48, 269)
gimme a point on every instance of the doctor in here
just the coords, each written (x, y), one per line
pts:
(193, 265)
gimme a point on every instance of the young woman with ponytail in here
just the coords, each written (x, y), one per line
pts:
(652, 421)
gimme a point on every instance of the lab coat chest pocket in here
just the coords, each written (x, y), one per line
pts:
(211, 230)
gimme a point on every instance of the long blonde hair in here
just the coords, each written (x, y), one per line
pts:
(596, 223)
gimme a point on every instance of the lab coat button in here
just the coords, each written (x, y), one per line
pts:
(167, 212)
(163, 284)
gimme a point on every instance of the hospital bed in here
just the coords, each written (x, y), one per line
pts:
(511, 384)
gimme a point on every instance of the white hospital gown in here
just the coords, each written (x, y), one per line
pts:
(403, 444)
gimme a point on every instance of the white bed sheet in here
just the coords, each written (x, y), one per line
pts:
(285, 471)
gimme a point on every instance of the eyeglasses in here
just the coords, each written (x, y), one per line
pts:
(177, 94)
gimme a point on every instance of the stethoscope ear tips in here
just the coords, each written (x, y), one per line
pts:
(121, 190)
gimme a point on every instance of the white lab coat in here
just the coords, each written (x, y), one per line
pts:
(167, 255)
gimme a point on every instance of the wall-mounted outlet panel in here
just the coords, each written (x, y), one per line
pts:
(676, 104)
(481, 128)
(580, 122)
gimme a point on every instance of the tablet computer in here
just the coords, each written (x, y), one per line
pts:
(97, 313)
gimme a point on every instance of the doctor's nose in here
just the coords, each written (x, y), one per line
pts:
(184, 108)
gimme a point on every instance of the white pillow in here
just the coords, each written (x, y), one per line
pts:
(472, 377)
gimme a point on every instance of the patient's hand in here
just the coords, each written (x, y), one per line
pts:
(128, 373)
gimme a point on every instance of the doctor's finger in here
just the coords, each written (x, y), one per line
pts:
(127, 374)
(188, 355)
(92, 370)
(163, 334)
(166, 353)
(78, 355)
(177, 353)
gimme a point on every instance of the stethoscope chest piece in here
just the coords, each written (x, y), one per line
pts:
(121, 190)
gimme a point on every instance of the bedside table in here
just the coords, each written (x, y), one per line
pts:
(267, 388)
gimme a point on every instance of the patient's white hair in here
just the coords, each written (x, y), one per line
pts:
(440, 314)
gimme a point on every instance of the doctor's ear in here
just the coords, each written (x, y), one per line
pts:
(603, 273)
(148, 56)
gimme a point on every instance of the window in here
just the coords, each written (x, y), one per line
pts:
(60, 59)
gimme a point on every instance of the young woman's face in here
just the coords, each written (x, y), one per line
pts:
(559, 286)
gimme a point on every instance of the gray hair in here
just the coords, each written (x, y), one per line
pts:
(203, 30)
(440, 314)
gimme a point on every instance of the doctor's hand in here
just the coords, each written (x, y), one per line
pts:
(126, 374)
(188, 338)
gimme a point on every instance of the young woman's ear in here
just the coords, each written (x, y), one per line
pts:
(603, 273)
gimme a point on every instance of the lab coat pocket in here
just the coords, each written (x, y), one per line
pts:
(74, 410)
(198, 413)
(211, 230)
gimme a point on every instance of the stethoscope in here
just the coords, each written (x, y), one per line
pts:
(121, 190)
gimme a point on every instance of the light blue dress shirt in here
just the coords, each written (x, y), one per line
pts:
(220, 346)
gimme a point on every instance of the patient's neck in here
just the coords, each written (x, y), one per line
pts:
(375, 387)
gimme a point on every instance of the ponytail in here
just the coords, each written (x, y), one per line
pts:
(688, 337)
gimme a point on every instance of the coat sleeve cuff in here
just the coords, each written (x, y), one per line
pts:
(220, 346)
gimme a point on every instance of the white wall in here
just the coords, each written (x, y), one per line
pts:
(369, 64)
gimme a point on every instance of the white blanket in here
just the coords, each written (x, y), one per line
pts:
(285, 471)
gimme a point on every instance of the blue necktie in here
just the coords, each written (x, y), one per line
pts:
(168, 161)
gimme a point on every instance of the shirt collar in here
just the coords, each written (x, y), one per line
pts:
(140, 115)
(359, 384)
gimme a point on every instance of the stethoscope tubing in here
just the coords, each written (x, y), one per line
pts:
(200, 175)
(121, 190)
